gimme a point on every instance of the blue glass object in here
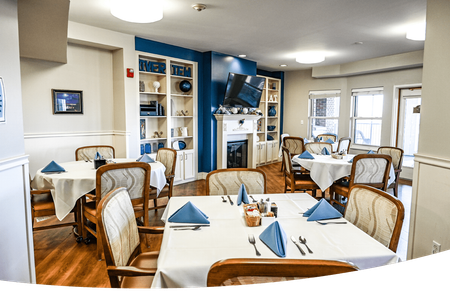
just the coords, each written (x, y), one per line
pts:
(142, 149)
(148, 148)
(160, 145)
(185, 86)
(272, 112)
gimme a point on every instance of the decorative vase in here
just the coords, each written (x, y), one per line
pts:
(160, 145)
(272, 112)
(185, 86)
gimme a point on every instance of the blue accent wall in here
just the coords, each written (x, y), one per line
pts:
(213, 69)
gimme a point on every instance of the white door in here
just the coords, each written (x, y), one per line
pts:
(188, 165)
(408, 124)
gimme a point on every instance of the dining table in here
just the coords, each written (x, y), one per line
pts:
(325, 170)
(186, 255)
(79, 179)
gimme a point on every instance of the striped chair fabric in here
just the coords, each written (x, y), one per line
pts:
(316, 147)
(229, 181)
(88, 153)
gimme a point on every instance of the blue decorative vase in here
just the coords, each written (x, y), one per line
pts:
(160, 145)
(148, 148)
(272, 112)
(185, 86)
(142, 149)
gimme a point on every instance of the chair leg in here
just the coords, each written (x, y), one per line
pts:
(282, 165)
(99, 245)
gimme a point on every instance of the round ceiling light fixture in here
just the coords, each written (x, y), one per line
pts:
(310, 57)
(199, 6)
(416, 32)
(138, 11)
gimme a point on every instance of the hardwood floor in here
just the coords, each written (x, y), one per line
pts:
(60, 260)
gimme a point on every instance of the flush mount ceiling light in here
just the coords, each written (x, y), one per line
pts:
(283, 65)
(199, 6)
(310, 58)
(138, 11)
(242, 55)
(416, 32)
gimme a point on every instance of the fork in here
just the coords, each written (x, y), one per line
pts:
(251, 239)
(223, 199)
(231, 201)
(326, 223)
(253, 198)
(189, 228)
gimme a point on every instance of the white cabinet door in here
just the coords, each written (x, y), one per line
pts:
(262, 153)
(275, 151)
(179, 170)
(188, 165)
(269, 151)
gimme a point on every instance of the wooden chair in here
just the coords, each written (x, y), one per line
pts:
(242, 271)
(126, 263)
(344, 144)
(168, 157)
(326, 136)
(295, 145)
(295, 179)
(229, 181)
(135, 176)
(316, 147)
(88, 152)
(397, 160)
(368, 169)
(42, 205)
(377, 213)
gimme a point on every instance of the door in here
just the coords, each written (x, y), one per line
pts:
(269, 151)
(188, 165)
(408, 124)
(262, 153)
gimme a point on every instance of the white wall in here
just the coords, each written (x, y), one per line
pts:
(16, 238)
(109, 98)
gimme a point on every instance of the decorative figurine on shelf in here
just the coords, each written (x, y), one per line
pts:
(184, 112)
(158, 134)
(156, 85)
(270, 98)
(244, 110)
(234, 110)
(275, 98)
(141, 86)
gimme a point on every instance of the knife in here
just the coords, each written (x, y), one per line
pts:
(231, 201)
(194, 225)
(296, 244)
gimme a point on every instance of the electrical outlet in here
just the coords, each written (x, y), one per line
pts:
(436, 247)
(301, 122)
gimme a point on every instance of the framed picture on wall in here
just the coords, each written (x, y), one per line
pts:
(67, 102)
(2, 101)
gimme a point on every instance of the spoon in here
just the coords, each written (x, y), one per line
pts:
(303, 241)
(253, 198)
(188, 228)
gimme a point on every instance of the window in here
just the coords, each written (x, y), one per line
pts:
(367, 115)
(324, 112)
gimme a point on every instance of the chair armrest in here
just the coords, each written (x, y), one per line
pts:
(151, 230)
(130, 271)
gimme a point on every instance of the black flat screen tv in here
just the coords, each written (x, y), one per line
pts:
(243, 90)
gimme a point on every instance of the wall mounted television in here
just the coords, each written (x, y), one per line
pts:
(243, 90)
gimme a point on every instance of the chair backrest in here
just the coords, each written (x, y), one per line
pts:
(371, 169)
(88, 152)
(326, 136)
(287, 161)
(395, 153)
(295, 145)
(316, 147)
(344, 144)
(168, 157)
(238, 271)
(377, 213)
(134, 176)
(229, 181)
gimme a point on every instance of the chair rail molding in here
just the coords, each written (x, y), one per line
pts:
(76, 134)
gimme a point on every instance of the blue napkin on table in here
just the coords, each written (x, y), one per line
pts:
(242, 195)
(325, 151)
(305, 141)
(351, 160)
(370, 152)
(189, 213)
(275, 238)
(52, 167)
(98, 156)
(306, 155)
(145, 158)
(322, 211)
(329, 141)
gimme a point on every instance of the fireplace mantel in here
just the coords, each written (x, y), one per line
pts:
(229, 128)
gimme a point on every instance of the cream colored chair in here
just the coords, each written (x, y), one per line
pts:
(229, 181)
(88, 152)
(316, 147)
(397, 160)
(126, 263)
(326, 136)
(135, 176)
(296, 180)
(377, 213)
(242, 271)
(168, 157)
(344, 144)
(295, 145)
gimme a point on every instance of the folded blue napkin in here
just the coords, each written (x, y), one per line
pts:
(329, 141)
(322, 211)
(242, 195)
(275, 238)
(145, 158)
(370, 152)
(351, 160)
(52, 167)
(189, 213)
(325, 151)
(98, 156)
(306, 155)
(305, 141)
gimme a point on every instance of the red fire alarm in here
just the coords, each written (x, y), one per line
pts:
(130, 73)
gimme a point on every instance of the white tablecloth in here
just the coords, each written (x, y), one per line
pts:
(186, 255)
(325, 170)
(79, 179)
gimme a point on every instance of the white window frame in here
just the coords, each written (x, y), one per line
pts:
(353, 118)
(321, 95)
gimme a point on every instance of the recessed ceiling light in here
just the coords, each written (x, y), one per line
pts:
(416, 32)
(283, 65)
(242, 55)
(310, 57)
(138, 11)
(358, 43)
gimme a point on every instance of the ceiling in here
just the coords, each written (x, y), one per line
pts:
(272, 32)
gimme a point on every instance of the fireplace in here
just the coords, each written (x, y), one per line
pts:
(237, 154)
